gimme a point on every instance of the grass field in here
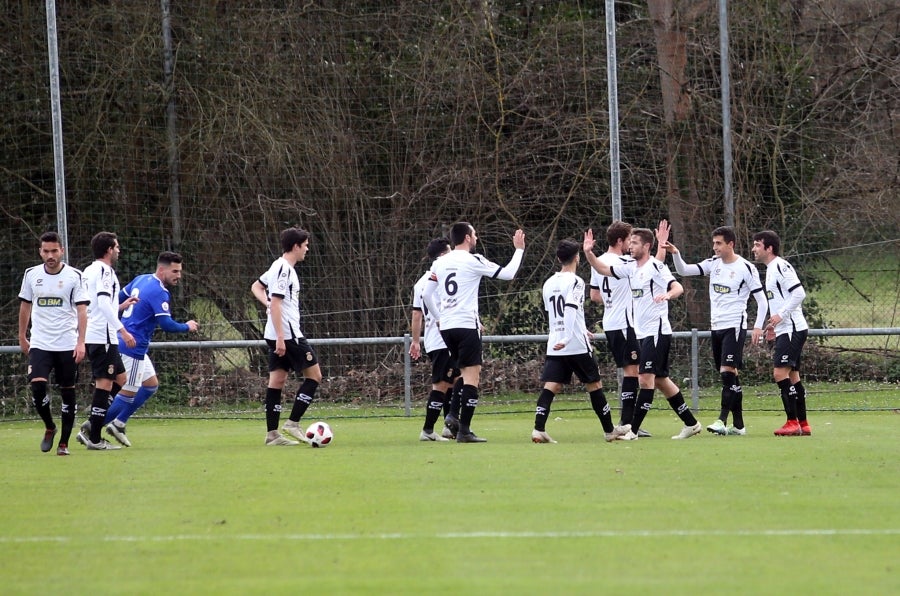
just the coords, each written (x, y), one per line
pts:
(201, 506)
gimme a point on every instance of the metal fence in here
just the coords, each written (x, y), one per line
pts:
(519, 363)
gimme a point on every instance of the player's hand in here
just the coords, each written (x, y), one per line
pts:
(128, 302)
(79, 352)
(280, 348)
(127, 337)
(559, 346)
(774, 320)
(756, 336)
(192, 325)
(588, 243)
(662, 232)
(519, 239)
(415, 350)
(24, 345)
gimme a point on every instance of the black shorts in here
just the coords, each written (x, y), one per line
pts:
(559, 369)
(298, 355)
(41, 362)
(464, 346)
(788, 347)
(105, 361)
(728, 347)
(655, 355)
(443, 366)
(624, 346)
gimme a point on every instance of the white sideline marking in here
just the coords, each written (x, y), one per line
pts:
(467, 535)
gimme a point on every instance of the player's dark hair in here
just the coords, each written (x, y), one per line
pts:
(567, 250)
(101, 243)
(459, 231)
(644, 234)
(50, 237)
(168, 257)
(292, 236)
(437, 247)
(727, 234)
(769, 239)
(617, 230)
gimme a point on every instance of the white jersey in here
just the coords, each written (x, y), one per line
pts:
(458, 276)
(102, 286)
(431, 334)
(785, 294)
(730, 285)
(564, 302)
(281, 281)
(648, 281)
(618, 310)
(53, 298)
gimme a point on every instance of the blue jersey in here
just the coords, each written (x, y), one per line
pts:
(151, 309)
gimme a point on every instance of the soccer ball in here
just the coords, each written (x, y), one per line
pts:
(319, 434)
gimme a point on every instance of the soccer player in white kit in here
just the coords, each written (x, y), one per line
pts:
(569, 348)
(103, 331)
(732, 280)
(444, 372)
(785, 295)
(279, 288)
(653, 285)
(54, 301)
(453, 293)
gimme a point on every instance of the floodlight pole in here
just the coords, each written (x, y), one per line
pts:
(615, 180)
(59, 176)
(728, 192)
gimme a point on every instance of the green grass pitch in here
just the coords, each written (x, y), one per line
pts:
(202, 506)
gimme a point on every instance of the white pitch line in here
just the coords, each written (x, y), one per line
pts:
(468, 535)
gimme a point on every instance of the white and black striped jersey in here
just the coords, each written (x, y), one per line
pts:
(564, 302)
(618, 309)
(457, 276)
(102, 286)
(431, 335)
(785, 294)
(281, 280)
(730, 285)
(53, 299)
(648, 281)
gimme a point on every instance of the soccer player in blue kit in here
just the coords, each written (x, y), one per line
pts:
(141, 320)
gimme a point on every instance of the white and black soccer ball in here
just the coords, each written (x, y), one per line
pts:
(319, 434)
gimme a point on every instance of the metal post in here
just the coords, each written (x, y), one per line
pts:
(59, 174)
(695, 370)
(407, 375)
(615, 180)
(726, 113)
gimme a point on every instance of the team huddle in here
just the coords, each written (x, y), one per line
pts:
(74, 314)
(634, 287)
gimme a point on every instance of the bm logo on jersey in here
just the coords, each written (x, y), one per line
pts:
(51, 301)
(638, 293)
(770, 294)
(721, 289)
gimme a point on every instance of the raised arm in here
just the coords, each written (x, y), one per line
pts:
(509, 272)
(588, 247)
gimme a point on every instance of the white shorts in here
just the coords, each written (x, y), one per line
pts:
(137, 372)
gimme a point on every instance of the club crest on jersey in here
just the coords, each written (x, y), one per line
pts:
(721, 289)
(50, 301)
(637, 293)
(165, 306)
(309, 356)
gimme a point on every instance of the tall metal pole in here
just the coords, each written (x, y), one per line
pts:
(725, 70)
(615, 180)
(59, 175)
(171, 123)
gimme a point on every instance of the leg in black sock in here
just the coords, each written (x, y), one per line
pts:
(468, 403)
(99, 405)
(67, 414)
(788, 398)
(629, 398)
(305, 396)
(801, 400)
(642, 407)
(681, 408)
(433, 409)
(601, 408)
(542, 411)
(41, 402)
(273, 408)
(737, 404)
